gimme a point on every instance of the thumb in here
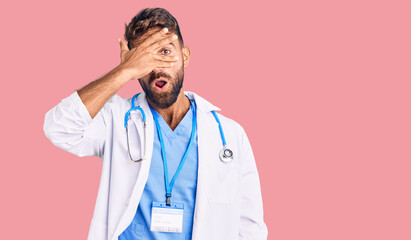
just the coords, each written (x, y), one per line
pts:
(123, 45)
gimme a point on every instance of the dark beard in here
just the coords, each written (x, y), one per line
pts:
(164, 99)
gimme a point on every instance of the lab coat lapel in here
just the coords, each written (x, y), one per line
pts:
(128, 215)
(205, 129)
(201, 198)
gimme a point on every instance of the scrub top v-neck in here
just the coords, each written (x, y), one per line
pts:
(184, 189)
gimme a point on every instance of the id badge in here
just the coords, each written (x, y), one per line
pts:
(167, 218)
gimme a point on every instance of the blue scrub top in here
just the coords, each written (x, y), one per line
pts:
(184, 190)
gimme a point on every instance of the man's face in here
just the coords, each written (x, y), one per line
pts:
(162, 85)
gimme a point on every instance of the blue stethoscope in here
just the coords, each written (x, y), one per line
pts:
(226, 154)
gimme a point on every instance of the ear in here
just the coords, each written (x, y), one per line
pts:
(186, 55)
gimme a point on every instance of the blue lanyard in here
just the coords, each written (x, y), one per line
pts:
(169, 186)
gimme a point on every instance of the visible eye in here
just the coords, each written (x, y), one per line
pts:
(165, 49)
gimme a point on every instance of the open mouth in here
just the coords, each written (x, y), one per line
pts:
(160, 84)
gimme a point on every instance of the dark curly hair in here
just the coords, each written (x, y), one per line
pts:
(147, 19)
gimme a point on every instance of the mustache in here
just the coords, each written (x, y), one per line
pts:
(158, 75)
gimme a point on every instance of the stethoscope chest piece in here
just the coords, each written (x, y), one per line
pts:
(226, 155)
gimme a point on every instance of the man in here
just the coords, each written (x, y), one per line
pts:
(164, 173)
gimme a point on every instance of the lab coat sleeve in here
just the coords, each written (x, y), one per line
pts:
(70, 127)
(252, 225)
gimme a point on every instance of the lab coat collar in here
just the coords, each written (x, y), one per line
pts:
(202, 104)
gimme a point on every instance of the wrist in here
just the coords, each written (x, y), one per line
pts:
(126, 73)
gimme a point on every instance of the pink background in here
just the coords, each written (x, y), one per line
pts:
(322, 89)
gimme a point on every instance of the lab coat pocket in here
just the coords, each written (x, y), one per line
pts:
(223, 185)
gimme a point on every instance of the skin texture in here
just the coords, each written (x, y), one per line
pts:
(147, 61)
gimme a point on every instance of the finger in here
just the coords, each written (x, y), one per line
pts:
(163, 64)
(165, 58)
(123, 45)
(154, 37)
(169, 40)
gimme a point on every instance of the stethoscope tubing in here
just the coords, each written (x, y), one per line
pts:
(226, 154)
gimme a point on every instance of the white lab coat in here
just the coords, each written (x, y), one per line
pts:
(228, 199)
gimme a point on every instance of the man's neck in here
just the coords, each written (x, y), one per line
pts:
(176, 112)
